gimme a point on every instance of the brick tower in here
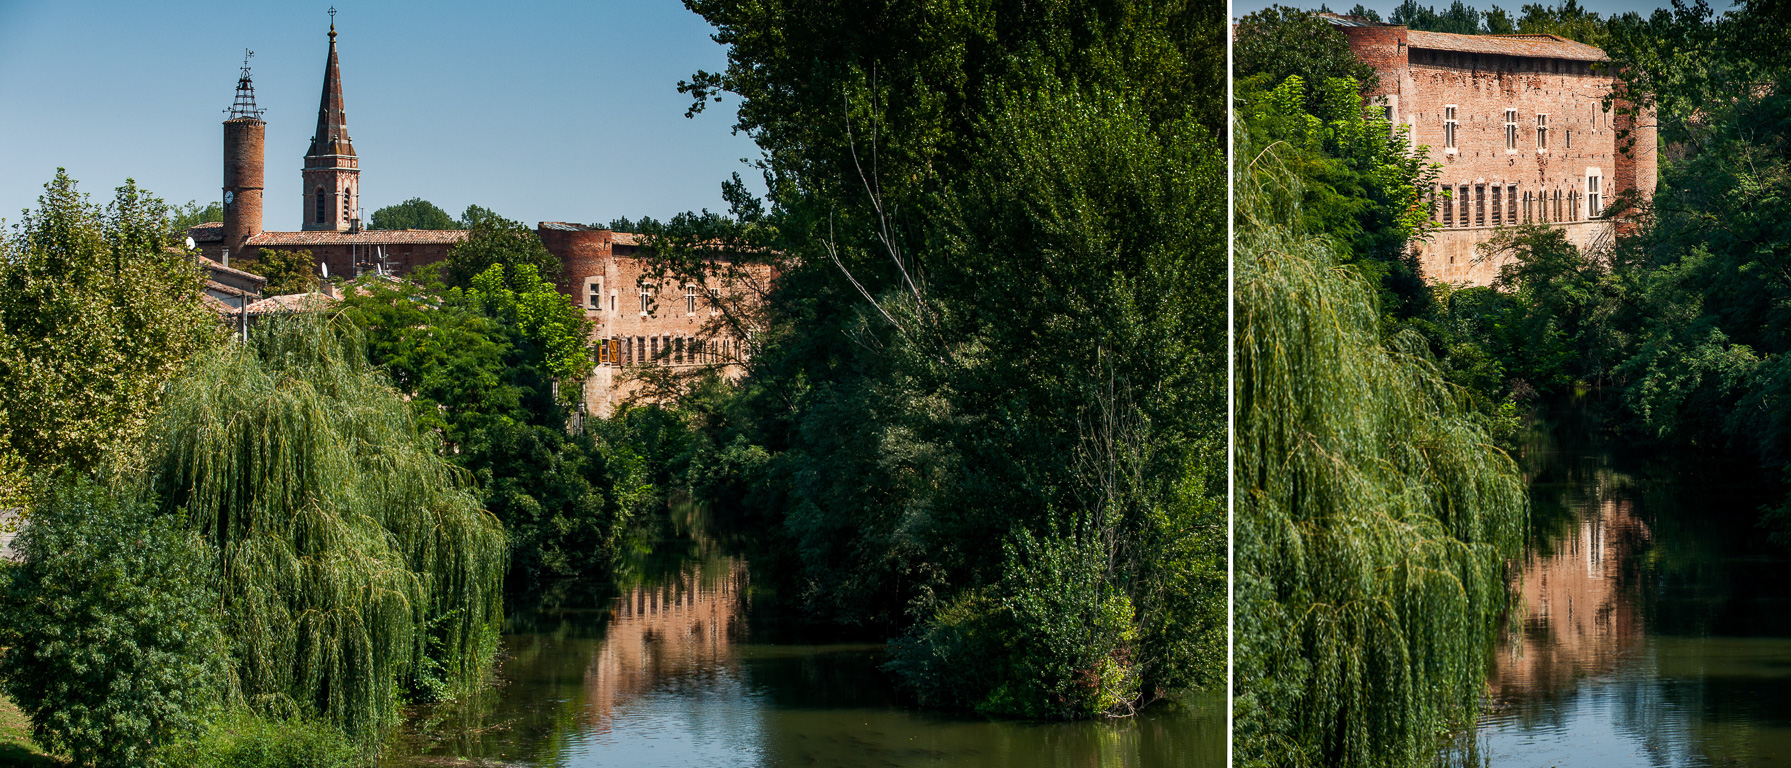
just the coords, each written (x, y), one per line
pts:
(332, 172)
(245, 137)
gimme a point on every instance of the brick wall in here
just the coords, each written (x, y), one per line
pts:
(1492, 178)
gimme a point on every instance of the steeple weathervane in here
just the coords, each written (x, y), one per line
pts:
(245, 93)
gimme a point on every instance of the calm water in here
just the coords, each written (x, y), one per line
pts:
(1656, 618)
(676, 668)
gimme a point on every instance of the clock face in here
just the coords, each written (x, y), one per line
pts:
(229, 197)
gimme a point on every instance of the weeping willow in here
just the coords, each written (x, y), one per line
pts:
(1375, 518)
(354, 566)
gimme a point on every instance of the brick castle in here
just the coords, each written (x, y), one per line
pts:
(1519, 126)
(639, 320)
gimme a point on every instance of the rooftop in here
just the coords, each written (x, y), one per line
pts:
(1539, 46)
(364, 237)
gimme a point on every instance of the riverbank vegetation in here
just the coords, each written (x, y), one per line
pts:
(1679, 326)
(1375, 511)
(983, 409)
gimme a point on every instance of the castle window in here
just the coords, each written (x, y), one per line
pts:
(1511, 196)
(1570, 138)
(1594, 200)
(612, 301)
(1449, 126)
(320, 205)
(690, 298)
(1479, 205)
(347, 213)
(1542, 131)
(594, 295)
(1529, 213)
(1511, 129)
(646, 299)
(1448, 207)
(1498, 210)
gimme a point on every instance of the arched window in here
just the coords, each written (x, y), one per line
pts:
(320, 208)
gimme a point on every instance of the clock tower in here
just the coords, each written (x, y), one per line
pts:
(245, 136)
(332, 172)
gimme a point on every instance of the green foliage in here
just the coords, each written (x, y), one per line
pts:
(1053, 639)
(543, 316)
(98, 310)
(496, 241)
(244, 740)
(476, 375)
(1374, 514)
(286, 271)
(353, 565)
(1360, 180)
(1278, 42)
(113, 648)
(190, 215)
(998, 240)
(415, 213)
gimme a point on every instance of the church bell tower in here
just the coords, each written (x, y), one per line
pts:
(244, 136)
(332, 172)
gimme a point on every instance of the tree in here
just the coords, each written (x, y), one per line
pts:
(415, 213)
(1278, 42)
(980, 223)
(473, 372)
(495, 240)
(99, 309)
(189, 215)
(1374, 515)
(1359, 179)
(112, 646)
(355, 569)
(286, 271)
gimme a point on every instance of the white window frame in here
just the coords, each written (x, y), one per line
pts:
(1511, 130)
(594, 294)
(646, 298)
(1449, 127)
(1541, 132)
(690, 298)
(1594, 193)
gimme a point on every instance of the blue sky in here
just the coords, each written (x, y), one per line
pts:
(541, 112)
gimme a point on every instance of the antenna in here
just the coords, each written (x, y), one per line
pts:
(245, 93)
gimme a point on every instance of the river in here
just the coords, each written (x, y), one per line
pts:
(1654, 618)
(678, 665)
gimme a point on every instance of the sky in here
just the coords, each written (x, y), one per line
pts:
(538, 111)
(1513, 7)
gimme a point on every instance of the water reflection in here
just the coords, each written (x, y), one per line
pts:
(674, 667)
(1655, 622)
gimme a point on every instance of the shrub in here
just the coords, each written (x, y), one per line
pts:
(1052, 640)
(114, 648)
(246, 741)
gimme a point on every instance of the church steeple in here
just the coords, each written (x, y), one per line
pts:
(332, 172)
(332, 122)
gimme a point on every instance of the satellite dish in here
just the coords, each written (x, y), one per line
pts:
(325, 266)
(190, 243)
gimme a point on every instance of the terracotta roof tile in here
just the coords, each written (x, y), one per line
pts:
(219, 269)
(368, 237)
(1540, 46)
(292, 302)
(209, 232)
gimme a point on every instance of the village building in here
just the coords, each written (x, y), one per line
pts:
(1518, 124)
(639, 318)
